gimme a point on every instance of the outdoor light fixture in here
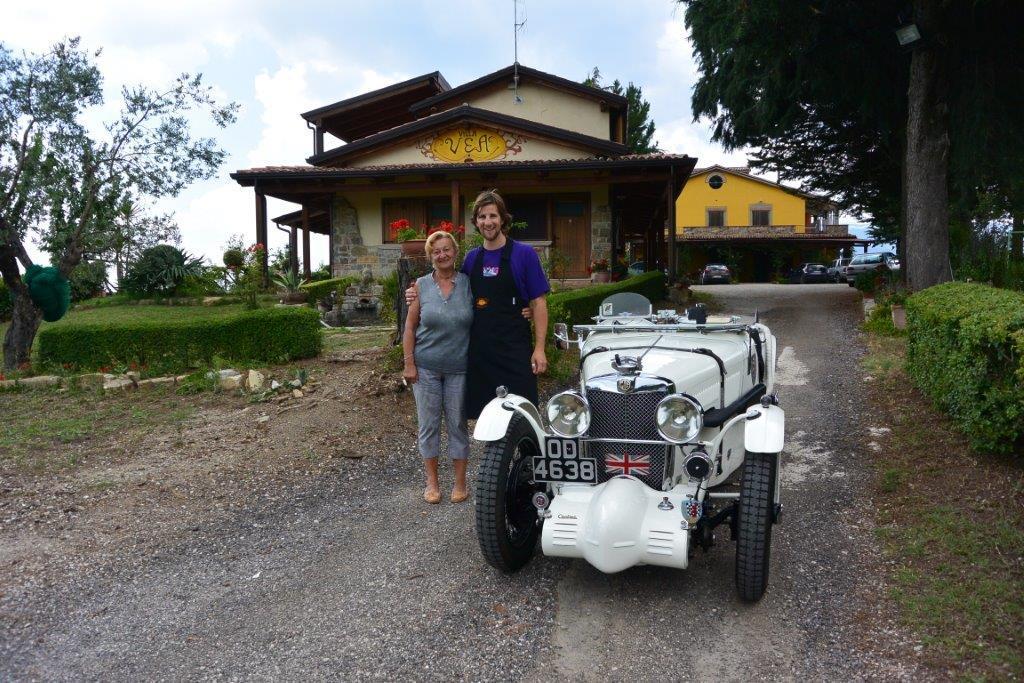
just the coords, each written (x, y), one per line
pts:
(908, 36)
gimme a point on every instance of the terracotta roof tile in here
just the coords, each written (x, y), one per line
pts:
(433, 166)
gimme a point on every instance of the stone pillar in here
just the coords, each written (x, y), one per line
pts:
(600, 233)
(347, 242)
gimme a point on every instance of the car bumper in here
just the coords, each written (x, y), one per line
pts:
(619, 524)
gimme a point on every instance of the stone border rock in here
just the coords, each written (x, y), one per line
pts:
(253, 382)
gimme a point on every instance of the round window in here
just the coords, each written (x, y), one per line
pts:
(715, 181)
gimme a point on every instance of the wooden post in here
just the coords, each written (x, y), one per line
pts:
(293, 250)
(670, 218)
(456, 218)
(306, 269)
(261, 234)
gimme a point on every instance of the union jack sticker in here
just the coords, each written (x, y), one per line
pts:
(636, 465)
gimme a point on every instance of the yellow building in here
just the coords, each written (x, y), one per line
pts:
(759, 228)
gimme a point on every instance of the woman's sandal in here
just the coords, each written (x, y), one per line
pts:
(459, 497)
(432, 497)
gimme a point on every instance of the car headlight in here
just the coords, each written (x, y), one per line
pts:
(568, 414)
(679, 418)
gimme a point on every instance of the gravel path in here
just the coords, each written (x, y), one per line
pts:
(350, 575)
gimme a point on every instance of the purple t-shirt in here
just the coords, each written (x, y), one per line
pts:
(527, 272)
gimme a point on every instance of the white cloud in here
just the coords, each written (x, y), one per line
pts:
(681, 136)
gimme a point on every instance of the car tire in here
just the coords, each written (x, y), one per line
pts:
(506, 521)
(754, 525)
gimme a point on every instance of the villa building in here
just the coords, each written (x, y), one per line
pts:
(421, 150)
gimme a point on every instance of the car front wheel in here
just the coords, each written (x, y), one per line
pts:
(754, 525)
(506, 520)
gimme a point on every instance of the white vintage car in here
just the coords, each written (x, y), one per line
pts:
(640, 463)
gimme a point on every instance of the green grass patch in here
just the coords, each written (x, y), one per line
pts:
(46, 431)
(354, 338)
(953, 534)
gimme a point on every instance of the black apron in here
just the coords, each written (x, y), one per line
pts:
(500, 341)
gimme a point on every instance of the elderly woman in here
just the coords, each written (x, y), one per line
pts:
(435, 343)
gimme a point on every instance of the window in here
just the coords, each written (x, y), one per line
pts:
(761, 215)
(715, 181)
(716, 218)
(419, 211)
(532, 210)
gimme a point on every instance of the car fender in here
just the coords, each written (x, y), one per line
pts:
(766, 432)
(496, 415)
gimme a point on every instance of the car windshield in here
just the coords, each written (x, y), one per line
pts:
(715, 267)
(815, 268)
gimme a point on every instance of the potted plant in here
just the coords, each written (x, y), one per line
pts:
(599, 271)
(411, 239)
(291, 283)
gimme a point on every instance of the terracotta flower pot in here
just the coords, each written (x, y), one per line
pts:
(413, 247)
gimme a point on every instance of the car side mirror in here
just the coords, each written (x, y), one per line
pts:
(562, 340)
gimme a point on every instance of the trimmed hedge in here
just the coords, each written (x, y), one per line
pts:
(965, 350)
(320, 289)
(266, 335)
(579, 306)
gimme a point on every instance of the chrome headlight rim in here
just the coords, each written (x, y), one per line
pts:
(586, 410)
(696, 406)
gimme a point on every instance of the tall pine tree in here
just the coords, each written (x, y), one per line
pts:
(833, 102)
(639, 126)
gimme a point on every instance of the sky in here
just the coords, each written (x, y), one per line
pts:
(279, 59)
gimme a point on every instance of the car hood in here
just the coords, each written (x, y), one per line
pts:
(687, 359)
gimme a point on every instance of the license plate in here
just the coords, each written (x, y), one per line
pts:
(563, 462)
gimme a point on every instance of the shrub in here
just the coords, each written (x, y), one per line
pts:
(318, 290)
(872, 281)
(160, 270)
(578, 306)
(88, 279)
(265, 335)
(388, 314)
(320, 274)
(234, 258)
(965, 350)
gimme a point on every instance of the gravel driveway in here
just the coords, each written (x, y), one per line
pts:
(350, 575)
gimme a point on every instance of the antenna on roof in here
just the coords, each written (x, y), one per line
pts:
(516, 25)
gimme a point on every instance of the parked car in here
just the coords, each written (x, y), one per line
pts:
(715, 272)
(631, 467)
(808, 273)
(837, 271)
(863, 263)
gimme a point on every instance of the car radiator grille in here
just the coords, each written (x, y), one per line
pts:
(615, 415)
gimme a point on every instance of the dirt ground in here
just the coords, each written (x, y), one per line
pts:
(152, 535)
(87, 479)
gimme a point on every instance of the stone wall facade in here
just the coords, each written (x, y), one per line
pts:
(601, 233)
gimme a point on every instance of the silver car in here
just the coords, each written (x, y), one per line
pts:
(863, 263)
(837, 271)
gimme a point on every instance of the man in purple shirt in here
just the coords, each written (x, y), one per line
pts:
(504, 276)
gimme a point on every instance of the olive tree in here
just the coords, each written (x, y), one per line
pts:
(61, 183)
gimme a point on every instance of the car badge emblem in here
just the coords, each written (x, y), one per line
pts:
(665, 504)
(625, 384)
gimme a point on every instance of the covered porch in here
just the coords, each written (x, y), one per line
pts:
(588, 208)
